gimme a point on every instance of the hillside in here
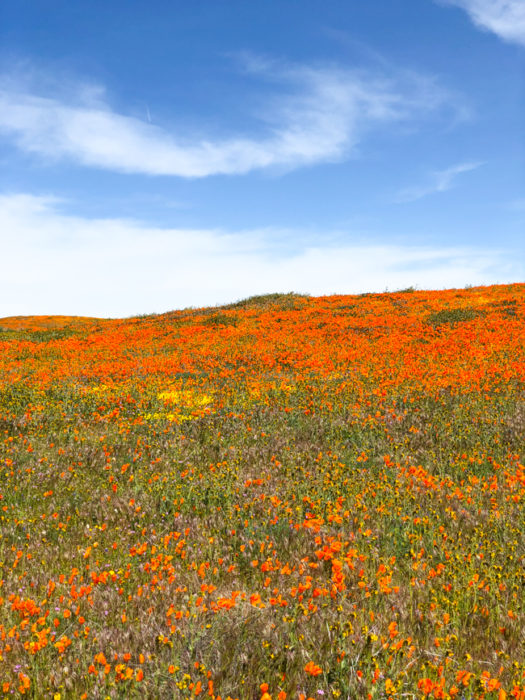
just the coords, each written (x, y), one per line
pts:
(284, 497)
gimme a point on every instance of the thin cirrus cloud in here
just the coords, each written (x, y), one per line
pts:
(440, 181)
(506, 18)
(317, 114)
(65, 264)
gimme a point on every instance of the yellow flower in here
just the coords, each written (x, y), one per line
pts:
(185, 397)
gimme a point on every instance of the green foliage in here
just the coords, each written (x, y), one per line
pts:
(221, 320)
(40, 336)
(282, 301)
(453, 316)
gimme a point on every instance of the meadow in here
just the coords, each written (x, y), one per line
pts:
(284, 498)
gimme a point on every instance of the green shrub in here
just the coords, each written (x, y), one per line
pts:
(453, 316)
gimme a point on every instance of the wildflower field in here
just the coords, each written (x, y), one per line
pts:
(286, 497)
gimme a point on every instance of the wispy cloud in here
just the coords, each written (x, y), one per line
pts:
(506, 18)
(59, 263)
(312, 115)
(439, 181)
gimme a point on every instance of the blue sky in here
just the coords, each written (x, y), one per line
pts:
(162, 155)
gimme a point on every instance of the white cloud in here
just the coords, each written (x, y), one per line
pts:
(506, 18)
(440, 181)
(64, 264)
(317, 114)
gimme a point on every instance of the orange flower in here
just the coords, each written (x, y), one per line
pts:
(426, 685)
(24, 683)
(264, 690)
(392, 630)
(313, 669)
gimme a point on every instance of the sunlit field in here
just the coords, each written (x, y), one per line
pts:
(287, 497)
